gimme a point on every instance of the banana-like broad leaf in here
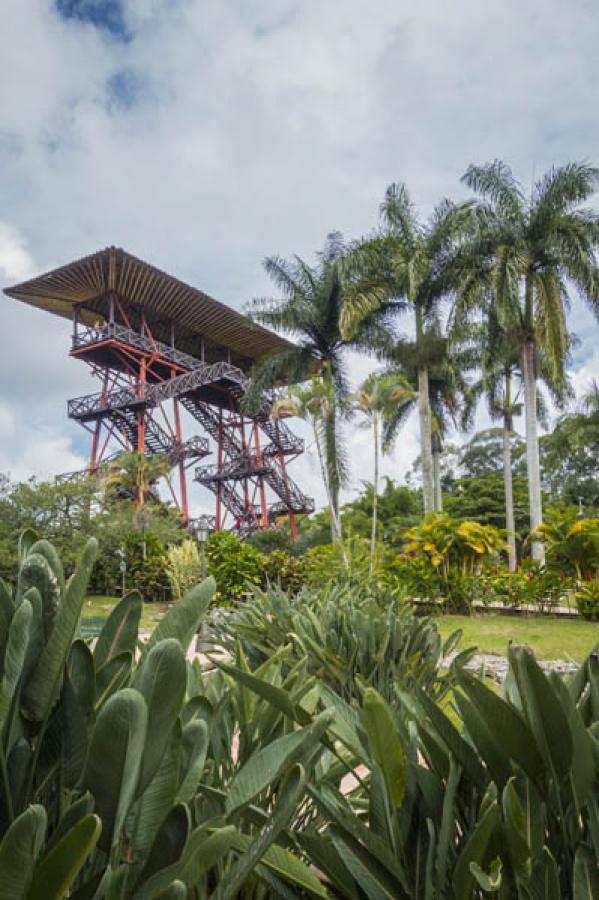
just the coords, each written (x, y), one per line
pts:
(119, 632)
(158, 798)
(266, 766)
(114, 760)
(586, 877)
(288, 798)
(27, 539)
(113, 676)
(56, 872)
(162, 681)
(546, 716)
(474, 850)
(516, 832)
(169, 843)
(36, 572)
(42, 687)
(385, 744)
(177, 891)
(19, 850)
(14, 657)
(544, 884)
(286, 866)
(194, 747)
(182, 619)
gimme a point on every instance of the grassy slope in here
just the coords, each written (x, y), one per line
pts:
(550, 638)
(101, 606)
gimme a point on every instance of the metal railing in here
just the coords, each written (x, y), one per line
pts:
(88, 335)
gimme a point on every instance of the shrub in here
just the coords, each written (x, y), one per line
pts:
(349, 636)
(452, 546)
(183, 567)
(286, 571)
(587, 599)
(571, 543)
(235, 565)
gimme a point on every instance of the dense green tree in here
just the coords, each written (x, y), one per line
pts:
(538, 246)
(570, 455)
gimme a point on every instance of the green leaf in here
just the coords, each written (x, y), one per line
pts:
(385, 744)
(489, 881)
(113, 676)
(119, 632)
(544, 884)
(162, 681)
(158, 798)
(288, 798)
(19, 850)
(545, 713)
(586, 877)
(194, 747)
(505, 724)
(267, 765)
(114, 760)
(177, 891)
(516, 831)
(474, 850)
(285, 865)
(169, 843)
(55, 874)
(42, 688)
(14, 657)
(182, 619)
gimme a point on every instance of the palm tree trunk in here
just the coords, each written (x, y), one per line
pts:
(510, 522)
(375, 490)
(336, 531)
(424, 414)
(532, 444)
(436, 455)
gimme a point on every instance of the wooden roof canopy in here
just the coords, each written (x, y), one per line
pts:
(164, 300)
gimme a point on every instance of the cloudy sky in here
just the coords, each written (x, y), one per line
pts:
(203, 135)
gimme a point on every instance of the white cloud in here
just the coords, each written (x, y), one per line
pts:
(256, 128)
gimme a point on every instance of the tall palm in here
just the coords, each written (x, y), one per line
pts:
(538, 247)
(308, 309)
(449, 396)
(134, 475)
(377, 398)
(407, 266)
(316, 403)
(499, 384)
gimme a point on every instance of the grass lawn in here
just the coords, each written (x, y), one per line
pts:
(98, 606)
(550, 637)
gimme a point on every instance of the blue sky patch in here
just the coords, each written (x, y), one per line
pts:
(106, 15)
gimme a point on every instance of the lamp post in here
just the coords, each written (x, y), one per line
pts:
(203, 535)
(122, 568)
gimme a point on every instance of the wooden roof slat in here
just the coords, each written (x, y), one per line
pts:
(196, 314)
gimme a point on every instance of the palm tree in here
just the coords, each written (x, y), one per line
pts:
(500, 370)
(377, 398)
(407, 265)
(315, 403)
(537, 247)
(308, 310)
(449, 396)
(134, 475)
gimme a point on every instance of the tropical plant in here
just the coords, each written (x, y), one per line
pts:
(134, 475)
(309, 310)
(530, 251)
(349, 636)
(571, 542)
(112, 766)
(407, 266)
(184, 570)
(447, 544)
(587, 599)
(237, 567)
(377, 399)
(449, 396)
(316, 403)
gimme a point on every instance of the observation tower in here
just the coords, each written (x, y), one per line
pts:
(159, 346)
